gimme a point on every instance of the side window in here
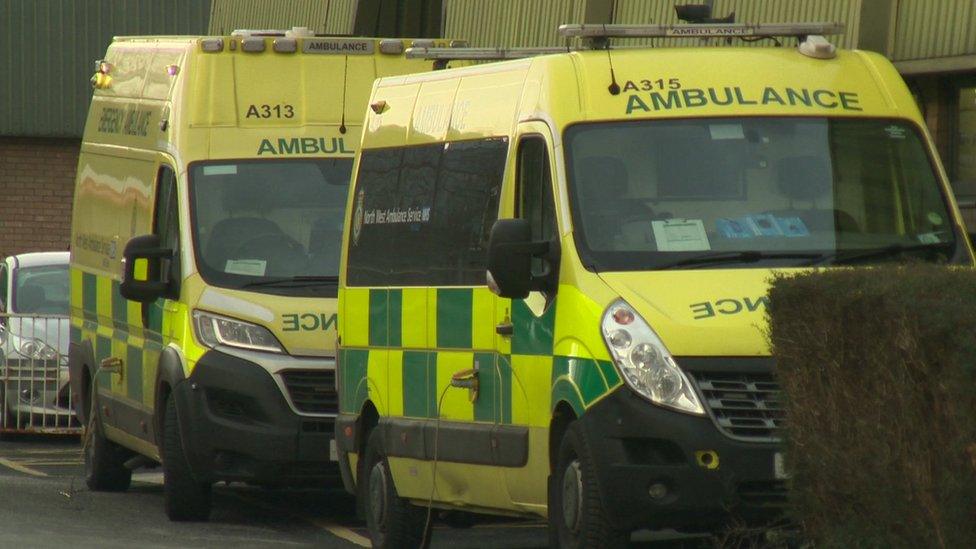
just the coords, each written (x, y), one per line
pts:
(421, 214)
(166, 220)
(465, 207)
(534, 183)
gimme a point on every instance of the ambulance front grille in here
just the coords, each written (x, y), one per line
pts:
(744, 406)
(312, 391)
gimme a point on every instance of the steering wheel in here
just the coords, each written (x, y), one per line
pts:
(280, 250)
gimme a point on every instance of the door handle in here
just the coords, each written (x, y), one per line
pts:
(505, 329)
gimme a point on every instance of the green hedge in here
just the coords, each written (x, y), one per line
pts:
(878, 371)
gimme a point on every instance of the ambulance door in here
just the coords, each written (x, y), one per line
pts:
(525, 333)
(145, 338)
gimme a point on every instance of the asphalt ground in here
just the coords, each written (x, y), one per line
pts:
(44, 503)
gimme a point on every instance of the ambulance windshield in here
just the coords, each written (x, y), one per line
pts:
(270, 225)
(742, 192)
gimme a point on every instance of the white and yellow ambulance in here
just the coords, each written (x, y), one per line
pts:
(553, 282)
(205, 251)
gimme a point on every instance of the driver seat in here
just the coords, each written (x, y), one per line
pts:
(228, 235)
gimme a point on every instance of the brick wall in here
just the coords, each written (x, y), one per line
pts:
(36, 186)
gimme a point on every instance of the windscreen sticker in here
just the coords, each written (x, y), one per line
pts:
(934, 218)
(249, 267)
(224, 169)
(689, 98)
(680, 235)
(751, 226)
(726, 131)
(929, 238)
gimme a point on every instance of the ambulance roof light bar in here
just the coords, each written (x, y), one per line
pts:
(479, 54)
(706, 30)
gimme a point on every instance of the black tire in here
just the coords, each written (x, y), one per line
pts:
(105, 469)
(576, 516)
(186, 499)
(392, 521)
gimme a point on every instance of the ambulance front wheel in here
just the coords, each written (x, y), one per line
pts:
(185, 498)
(576, 516)
(391, 520)
(105, 469)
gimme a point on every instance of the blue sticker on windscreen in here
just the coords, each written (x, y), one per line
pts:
(734, 228)
(792, 226)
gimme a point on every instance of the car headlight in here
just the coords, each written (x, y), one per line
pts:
(37, 349)
(644, 362)
(212, 330)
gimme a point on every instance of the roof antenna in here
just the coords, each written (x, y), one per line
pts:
(614, 87)
(345, 84)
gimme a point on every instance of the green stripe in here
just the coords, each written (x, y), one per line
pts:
(133, 372)
(609, 372)
(416, 371)
(155, 328)
(563, 391)
(352, 392)
(534, 334)
(432, 396)
(75, 335)
(395, 311)
(504, 367)
(89, 296)
(584, 373)
(379, 334)
(119, 310)
(454, 318)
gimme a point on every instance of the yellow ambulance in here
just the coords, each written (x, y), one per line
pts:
(205, 242)
(554, 278)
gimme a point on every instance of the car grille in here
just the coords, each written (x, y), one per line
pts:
(312, 391)
(744, 406)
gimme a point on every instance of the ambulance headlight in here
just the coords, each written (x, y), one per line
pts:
(644, 362)
(212, 330)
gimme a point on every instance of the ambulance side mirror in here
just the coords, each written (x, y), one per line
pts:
(142, 278)
(510, 253)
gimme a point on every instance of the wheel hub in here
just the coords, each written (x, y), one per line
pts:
(377, 495)
(572, 496)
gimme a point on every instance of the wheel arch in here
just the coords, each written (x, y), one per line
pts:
(168, 375)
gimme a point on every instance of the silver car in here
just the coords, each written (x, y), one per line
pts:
(34, 333)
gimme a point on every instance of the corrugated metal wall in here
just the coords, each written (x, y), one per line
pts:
(927, 28)
(322, 16)
(48, 47)
(507, 23)
(510, 23)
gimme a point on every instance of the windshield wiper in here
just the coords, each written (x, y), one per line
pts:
(848, 256)
(751, 256)
(294, 282)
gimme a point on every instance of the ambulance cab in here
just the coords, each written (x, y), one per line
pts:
(553, 285)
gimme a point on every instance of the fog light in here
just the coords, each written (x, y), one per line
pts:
(657, 490)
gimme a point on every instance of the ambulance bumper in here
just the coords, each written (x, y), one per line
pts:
(238, 426)
(638, 446)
